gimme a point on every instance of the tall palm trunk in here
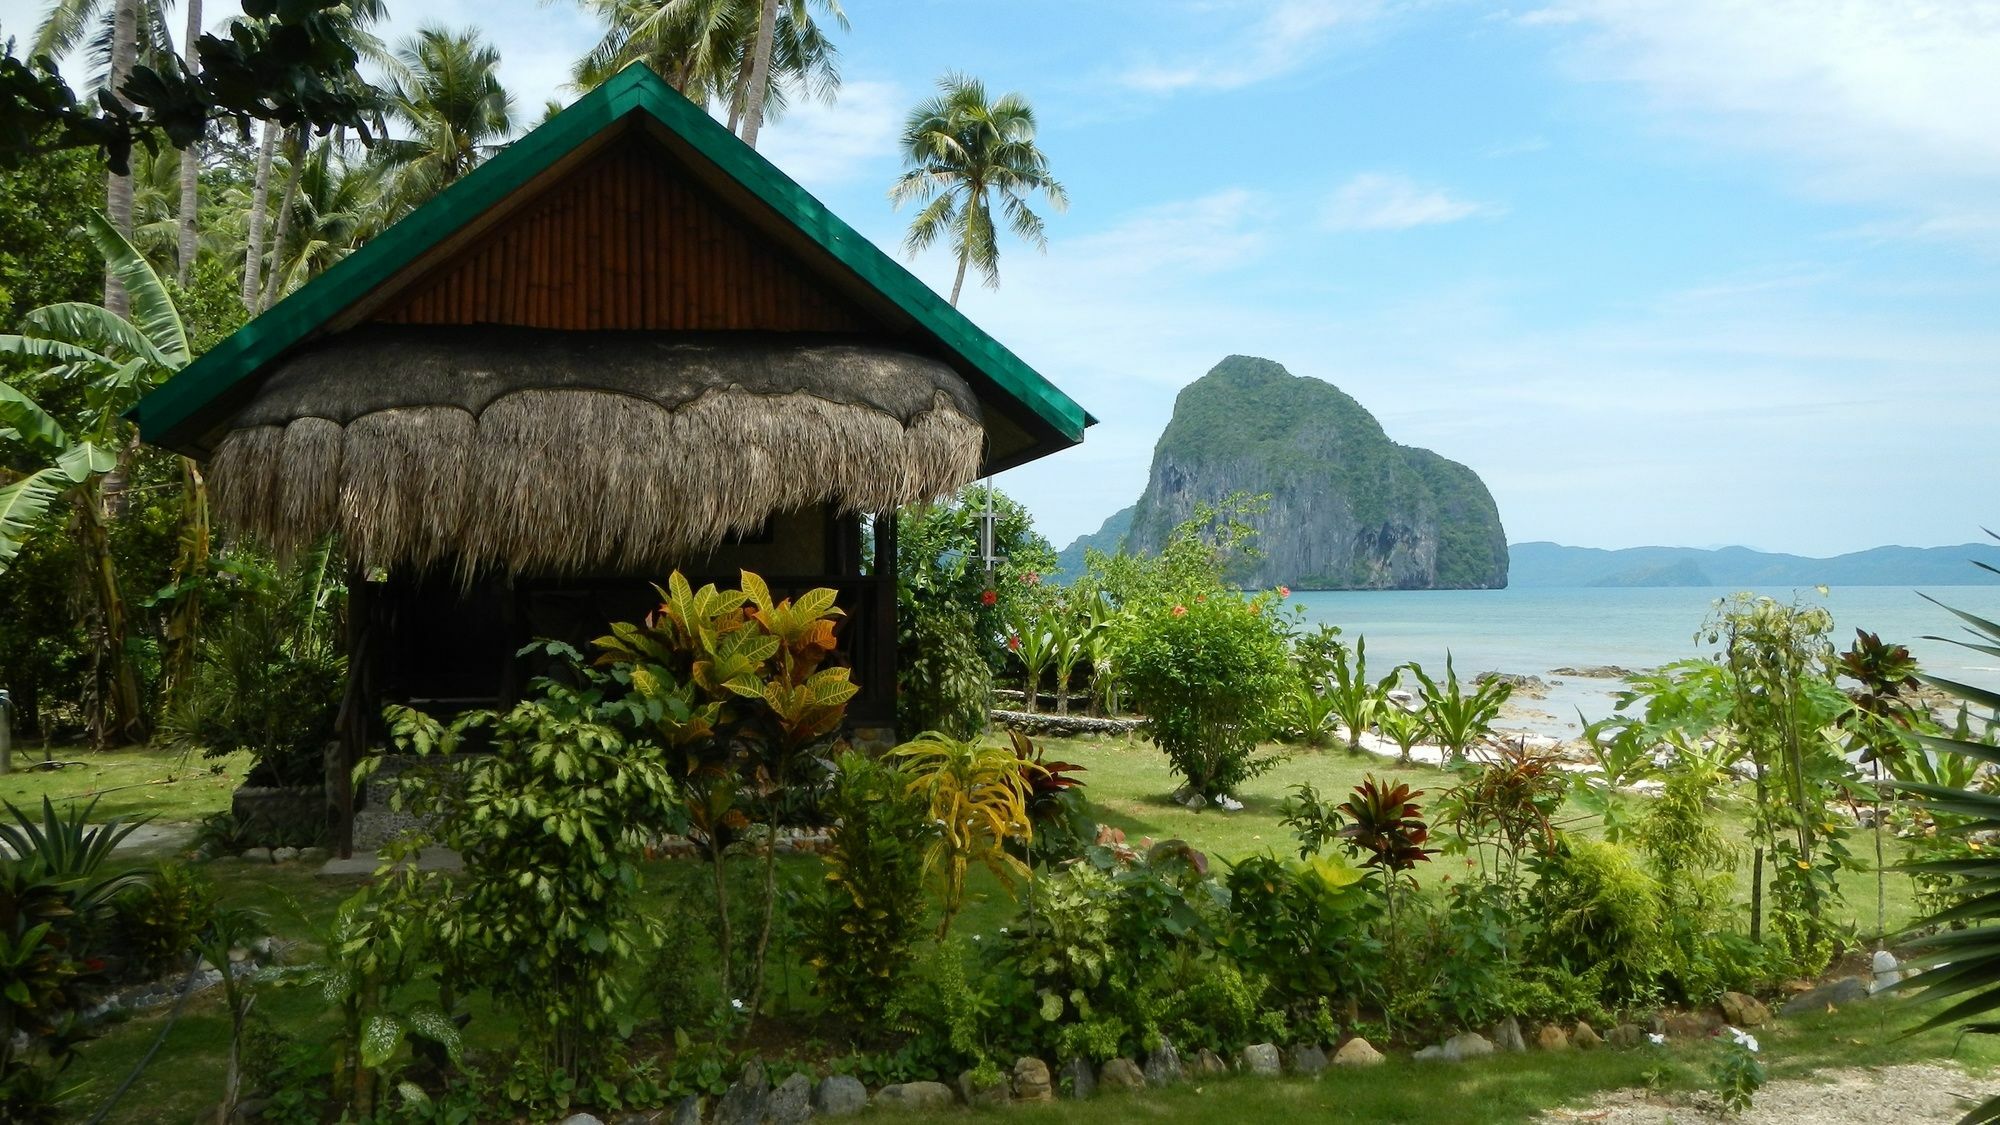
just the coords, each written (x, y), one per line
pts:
(117, 188)
(260, 206)
(957, 284)
(125, 715)
(190, 166)
(760, 72)
(276, 274)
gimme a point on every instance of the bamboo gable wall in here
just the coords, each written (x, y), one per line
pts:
(627, 241)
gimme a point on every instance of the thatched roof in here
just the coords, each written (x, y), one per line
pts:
(556, 452)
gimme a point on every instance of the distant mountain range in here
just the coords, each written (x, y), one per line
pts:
(1551, 564)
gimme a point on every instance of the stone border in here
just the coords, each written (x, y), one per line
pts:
(1041, 725)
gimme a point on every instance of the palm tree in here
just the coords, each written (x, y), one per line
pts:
(117, 35)
(186, 245)
(339, 206)
(758, 80)
(962, 151)
(116, 360)
(706, 49)
(445, 91)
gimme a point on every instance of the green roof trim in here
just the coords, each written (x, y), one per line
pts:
(171, 414)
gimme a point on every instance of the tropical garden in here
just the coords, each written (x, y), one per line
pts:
(1148, 831)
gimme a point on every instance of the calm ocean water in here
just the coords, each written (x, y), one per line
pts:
(1532, 631)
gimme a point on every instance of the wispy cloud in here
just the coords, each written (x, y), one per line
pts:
(1386, 201)
(1268, 40)
(819, 144)
(1890, 102)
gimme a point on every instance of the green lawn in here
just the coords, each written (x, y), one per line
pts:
(167, 785)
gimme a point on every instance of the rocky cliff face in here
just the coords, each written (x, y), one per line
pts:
(1349, 508)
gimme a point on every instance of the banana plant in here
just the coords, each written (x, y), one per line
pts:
(114, 361)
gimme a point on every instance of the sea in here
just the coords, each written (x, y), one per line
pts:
(1532, 632)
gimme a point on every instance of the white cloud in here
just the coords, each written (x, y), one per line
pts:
(1385, 201)
(1269, 39)
(1885, 102)
(819, 144)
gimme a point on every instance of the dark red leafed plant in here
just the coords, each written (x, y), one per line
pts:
(1059, 813)
(1386, 823)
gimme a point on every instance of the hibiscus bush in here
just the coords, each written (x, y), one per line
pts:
(1207, 671)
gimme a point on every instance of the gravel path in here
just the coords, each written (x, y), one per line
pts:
(1861, 1096)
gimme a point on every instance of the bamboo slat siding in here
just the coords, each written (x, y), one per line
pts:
(626, 242)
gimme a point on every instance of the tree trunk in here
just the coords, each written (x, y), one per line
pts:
(276, 273)
(183, 626)
(126, 710)
(760, 73)
(958, 283)
(117, 188)
(260, 205)
(190, 166)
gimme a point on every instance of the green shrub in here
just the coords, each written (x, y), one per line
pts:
(872, 910)
(1207, 672)
(159, 921)
(1305, 927)
(943, 681)
(1599, 907)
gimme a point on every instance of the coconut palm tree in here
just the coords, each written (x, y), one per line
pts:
(758, 79)
(445, 92)
(116, 34)
(706, 49)
(187, 244)
(339, 206)
(115, 360)
(963, 151)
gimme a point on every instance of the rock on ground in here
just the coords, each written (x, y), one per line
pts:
(1357, 1052)
(1743, 1010)
(1846, 990)
(915, 1096)
(1585, 1037)
(1507, 1036)
(1078, 1080)
(791, 1102)
(1552, 1038)
(1469, 1045)
(1121, 1074)
(977, 1094)
(1307, 1058)
(1208, 1064)
(1260, 1059)
(744, 1102)
(688, 1112)
(839, 1095)
(1031, 1080)
(1163, 1065)
(1906, 1095)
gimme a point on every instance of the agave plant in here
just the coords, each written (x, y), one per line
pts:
(1458, 719)
(1961, 962)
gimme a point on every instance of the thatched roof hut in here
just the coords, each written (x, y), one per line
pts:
(626, 343)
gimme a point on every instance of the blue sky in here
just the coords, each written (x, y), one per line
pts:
(1661, 271)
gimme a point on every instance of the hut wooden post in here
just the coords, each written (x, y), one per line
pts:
(353, 728)
(884, 664)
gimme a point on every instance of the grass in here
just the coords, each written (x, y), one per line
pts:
(1130, 786)
(167, 785)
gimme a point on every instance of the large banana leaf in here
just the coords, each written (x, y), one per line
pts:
(22, 505)
(23, 421)
(84, 460)
(97, 328)
(153, 311)
(61, 351)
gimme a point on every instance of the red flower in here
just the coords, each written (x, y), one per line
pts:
(1201, 597)
(1013, 642)
(988, 597)
(1284, 591)
(1031, 579)
(1180, 611)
